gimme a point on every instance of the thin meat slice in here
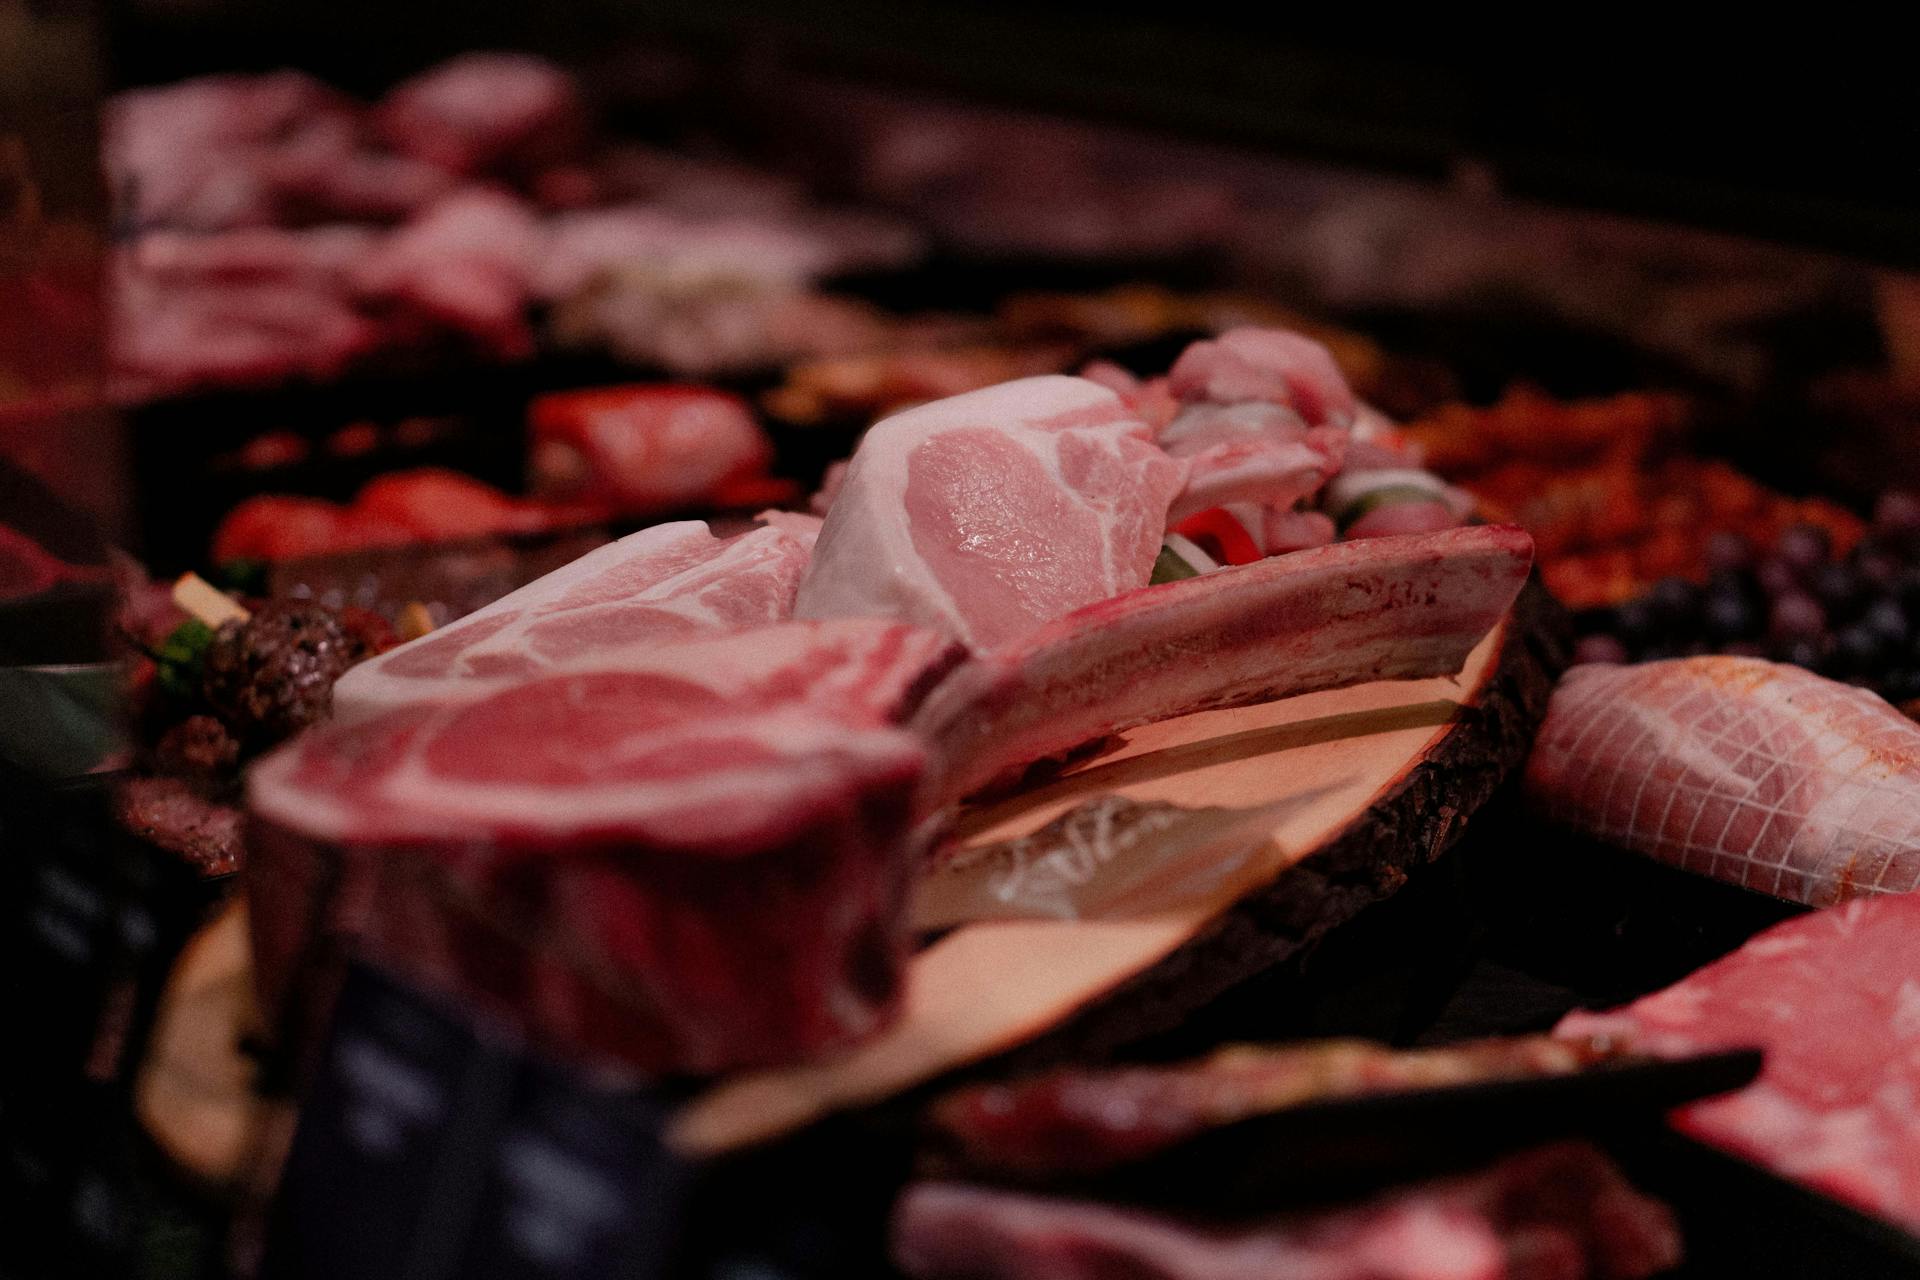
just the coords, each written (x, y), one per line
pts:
(1563, 1212)
(670, 582)
(1833, 999)
(1274, 473)
(485, 112)
(1074, 1122)
(1760, 774)
(692, 862)
(1386, 609)
(990, 513)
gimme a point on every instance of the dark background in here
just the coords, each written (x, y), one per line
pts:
(1809, 135)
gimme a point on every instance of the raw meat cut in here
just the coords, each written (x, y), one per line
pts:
(485, 111)
(1764, 775)
(1386, 609)
(669, 582)
(645, 448)
(692, 862)
(1833, 999)
(1078, 1121)
(987, 514)
(1562, 1212)
(1270, 366)
(468, 263)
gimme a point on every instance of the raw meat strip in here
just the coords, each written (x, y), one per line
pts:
(1562, 1212)
(645, 448)
(1833, 999)
(1386, 609)
(485, 111)
(1763, 775)
(987, 514)
(670, 582)
(690, 863)
(1078, 1121)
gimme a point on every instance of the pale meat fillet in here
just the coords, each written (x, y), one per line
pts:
(990, 513)
(689, 863)
(484, 111)
(1764, 775)
(669, 582)
(1386, 609)
(1275, 366)
(1556, 1213)
(1833, 999)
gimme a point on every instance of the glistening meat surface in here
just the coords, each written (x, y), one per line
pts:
(1760, 774)
(670, 582)
(987, 514)
(1385, 609)
(692, 862)
(1834, 1000)
(1562, 1212)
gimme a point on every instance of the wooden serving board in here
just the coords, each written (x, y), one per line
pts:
(1353, 788)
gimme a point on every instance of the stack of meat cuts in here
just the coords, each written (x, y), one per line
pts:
(284, 231)
(566, 805)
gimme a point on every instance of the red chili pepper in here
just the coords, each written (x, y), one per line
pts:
(1220, 536)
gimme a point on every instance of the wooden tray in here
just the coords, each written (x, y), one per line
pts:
(1357, 786)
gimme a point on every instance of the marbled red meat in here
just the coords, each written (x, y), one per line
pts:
(987, 514)
(692, 861)
(669, 582)
(1833, 999)
(1557, 1213)
(1760, 774)
(1387, 609)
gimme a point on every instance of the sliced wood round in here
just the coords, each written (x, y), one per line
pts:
(1363, 786)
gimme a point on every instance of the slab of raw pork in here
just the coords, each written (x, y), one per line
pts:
(1385, 609)
(989, 513)
(669, 582)
(1834, 1000)
(485, 111)
(1760, 774)
(692, 862)
(466, 262)
(1563, 1212)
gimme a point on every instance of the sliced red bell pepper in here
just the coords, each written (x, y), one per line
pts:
(1220, 536)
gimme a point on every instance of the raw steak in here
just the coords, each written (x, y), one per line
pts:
(670, 582)
(990, 513)
(1078, 1121)
(1764, 775)
(1386, 609)
(645, 448)
(1272, 366)
(1556, 1213)
(691, 863)
(1834, 1000)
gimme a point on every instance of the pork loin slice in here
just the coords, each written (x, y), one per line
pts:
(1833, 999)
(1563, 1211)
(988, 514)
(1386, 609)
(668, 583)
(692, 863)
(1760, 774)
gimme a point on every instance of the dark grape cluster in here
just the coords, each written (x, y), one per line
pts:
(1854, 617)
